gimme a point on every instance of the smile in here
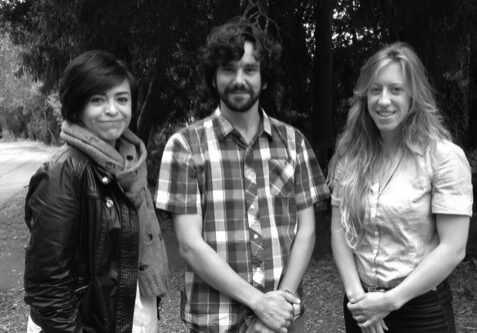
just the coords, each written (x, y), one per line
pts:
(385, 114)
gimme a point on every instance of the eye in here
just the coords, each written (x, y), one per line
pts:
(227, 69)
(123, 99)
(396, 90)
(96, 99)
(251, 70)
(375, 90)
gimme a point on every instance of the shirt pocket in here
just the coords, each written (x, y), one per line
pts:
(281, 178)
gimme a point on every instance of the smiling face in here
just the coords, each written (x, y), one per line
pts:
(239, 83)
(389, 100)
(108, 114)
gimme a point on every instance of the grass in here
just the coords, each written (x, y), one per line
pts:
(323, 290)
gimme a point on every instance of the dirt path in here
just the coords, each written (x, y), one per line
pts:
(18, 161)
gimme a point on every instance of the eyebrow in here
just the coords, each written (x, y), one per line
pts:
(123, 93)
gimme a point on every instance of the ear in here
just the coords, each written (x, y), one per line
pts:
(214, 83)
(264, 85)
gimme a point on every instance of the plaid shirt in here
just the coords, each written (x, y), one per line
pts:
(204, 171)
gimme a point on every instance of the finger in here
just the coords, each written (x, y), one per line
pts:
(360, 318)
(361, 323)
(379, 328)
(290, 298)
(353, 306)
(357, 298)
(383, 324)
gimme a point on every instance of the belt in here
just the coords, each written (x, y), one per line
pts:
(375, 289)
(371, 289)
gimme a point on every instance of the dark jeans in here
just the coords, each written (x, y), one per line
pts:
(430, 312)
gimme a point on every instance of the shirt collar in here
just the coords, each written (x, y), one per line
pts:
(223, 127)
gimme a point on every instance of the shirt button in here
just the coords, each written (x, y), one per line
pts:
(105, 180)
(255, 236)
(252, 207)
(376, 233)
(109, 202)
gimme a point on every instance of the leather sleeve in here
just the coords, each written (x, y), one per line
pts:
(54, 205)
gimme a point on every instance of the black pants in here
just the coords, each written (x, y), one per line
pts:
(430, 312)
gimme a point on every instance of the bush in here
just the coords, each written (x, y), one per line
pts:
(157, 141)
(45, 121)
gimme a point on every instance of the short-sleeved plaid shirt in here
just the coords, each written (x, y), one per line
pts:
(204, 170)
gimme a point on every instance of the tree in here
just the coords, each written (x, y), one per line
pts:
(472, 90)
(322, 138)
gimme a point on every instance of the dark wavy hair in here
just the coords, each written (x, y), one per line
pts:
(225, 43)
(90, 73)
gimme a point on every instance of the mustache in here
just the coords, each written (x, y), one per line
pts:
(238, 89)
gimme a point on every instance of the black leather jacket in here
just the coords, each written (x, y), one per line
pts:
(82, 257)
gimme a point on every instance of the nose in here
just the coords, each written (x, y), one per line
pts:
(384, 98)
(111, 108)
(239, 77)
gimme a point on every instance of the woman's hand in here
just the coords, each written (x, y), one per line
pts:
(378, 327)
(370, 309)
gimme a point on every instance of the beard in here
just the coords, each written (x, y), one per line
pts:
(239, 98)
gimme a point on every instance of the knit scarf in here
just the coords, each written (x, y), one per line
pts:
(127, 164)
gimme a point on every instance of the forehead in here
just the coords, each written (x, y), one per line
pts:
(122, 87)
(391, 72)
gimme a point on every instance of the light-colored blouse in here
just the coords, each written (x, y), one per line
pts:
(400, 223)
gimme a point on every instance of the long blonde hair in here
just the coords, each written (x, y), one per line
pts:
(358, 150)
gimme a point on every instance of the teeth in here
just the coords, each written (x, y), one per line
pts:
(384, 113)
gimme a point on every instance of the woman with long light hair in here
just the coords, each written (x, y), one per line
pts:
(402, 198)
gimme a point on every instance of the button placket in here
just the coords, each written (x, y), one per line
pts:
(253, 216)
(373, 201)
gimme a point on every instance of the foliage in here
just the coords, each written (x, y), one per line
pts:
(159, 137)
(25, 110)
(160, 40)
(438, 30)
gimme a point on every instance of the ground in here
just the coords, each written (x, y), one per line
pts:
(322, 285)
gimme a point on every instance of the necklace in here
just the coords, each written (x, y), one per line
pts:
(388, 167)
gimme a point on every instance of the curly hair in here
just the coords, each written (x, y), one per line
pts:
(92, 72)
(225, 43)
(359, 152)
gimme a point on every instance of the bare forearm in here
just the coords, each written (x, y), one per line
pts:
(299, 260)
(301, 250)
(438, 264)
(428, 274)
(346, 265)
(344, 258)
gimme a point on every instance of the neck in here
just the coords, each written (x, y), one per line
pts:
(389, 143)
(246, 123)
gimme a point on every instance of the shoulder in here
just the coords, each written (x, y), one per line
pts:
(446, 150)
(287, 131)
(447, 158)
(69, 160)
(191, 132)
(445, 147)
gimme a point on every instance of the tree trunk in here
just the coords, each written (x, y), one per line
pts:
(322, 134)
(472, 129)
(153, 111)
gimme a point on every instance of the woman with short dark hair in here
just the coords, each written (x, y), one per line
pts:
(96, 260)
